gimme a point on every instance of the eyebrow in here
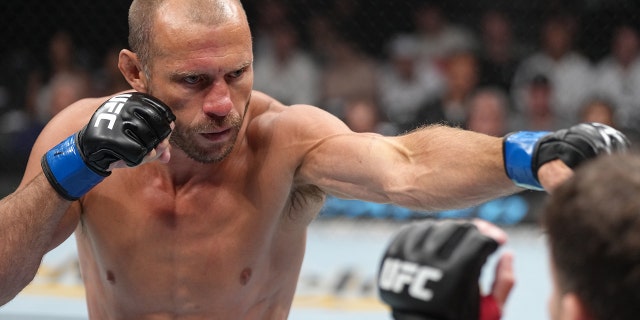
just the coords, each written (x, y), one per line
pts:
(182, 74)
(245, 65)
(179, 75)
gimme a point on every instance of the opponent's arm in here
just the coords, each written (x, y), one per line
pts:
(125, 130)
(430, 271)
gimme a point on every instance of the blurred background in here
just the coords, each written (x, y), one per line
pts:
(382, 66)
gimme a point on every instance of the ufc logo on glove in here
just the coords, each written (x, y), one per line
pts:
(113, 107)
(137, 123)
(396, 274)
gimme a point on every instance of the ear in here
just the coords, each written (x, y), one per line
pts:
(132, 71)
(573, 308)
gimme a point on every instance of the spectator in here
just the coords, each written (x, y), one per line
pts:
(598, 110)
(324, 36)
(437, 36)
(287, 66)
(538, 110)
(271, 14)
(618, 76)
(569, 73)
(407, 85)
(460, 72)
(108, 79)
(461, 78)
(348, 73)
(499, 54)
(488, 112)
(364, 115)
(63, 64)
(66, 89)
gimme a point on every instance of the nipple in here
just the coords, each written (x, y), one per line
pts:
(245, 276)
(111, 277)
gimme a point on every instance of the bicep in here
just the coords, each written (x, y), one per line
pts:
(355, 165)
(55, 131)
(341, 162)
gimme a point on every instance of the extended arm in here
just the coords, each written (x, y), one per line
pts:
(439, 167)
(432, 168)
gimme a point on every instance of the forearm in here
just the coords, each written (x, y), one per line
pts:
(451, 168)
(28, 220)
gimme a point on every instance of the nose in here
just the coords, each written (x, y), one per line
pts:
(217, 102)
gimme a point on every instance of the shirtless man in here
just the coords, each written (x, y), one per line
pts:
(216, 227)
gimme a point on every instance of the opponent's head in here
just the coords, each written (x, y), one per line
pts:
(593, 227)
(196, 56)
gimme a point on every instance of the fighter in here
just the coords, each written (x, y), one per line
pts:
(190, 196)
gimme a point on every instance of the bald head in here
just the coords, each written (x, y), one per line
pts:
(144, 13)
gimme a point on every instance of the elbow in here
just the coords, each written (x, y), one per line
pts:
(13, 283)
(7, 297)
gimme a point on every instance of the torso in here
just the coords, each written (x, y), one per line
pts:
(226, 244)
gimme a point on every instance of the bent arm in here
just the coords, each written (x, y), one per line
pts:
(29, 219)
(35, 218)
(432, 168)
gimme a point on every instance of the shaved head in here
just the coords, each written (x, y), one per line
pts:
(143, 15)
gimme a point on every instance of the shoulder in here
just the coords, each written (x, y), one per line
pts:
(295, 129)
(68, 121)
(266, 113)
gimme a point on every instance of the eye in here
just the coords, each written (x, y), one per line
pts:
(192, 79)
(238, 73)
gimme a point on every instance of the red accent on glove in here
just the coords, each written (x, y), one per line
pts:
(489, 309)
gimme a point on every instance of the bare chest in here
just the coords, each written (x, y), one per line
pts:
(208, 247)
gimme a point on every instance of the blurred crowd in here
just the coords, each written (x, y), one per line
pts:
(476, 77)
(481, 77)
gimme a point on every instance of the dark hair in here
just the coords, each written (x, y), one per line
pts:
(593, 226)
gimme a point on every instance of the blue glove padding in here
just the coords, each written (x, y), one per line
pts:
(66, 170)
(518, 153)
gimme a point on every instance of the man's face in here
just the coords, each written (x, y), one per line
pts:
(554, 300)
(205, 74)
(555, 303)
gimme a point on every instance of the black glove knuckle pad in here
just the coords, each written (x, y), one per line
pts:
(577, 144)
(140, 129)
(126, 127)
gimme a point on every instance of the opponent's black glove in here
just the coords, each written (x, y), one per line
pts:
(431, 268)
(526, 151)
(125, 127)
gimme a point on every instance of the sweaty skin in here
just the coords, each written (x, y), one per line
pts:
(218, 231)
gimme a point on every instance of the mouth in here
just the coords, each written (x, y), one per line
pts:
(216, 136)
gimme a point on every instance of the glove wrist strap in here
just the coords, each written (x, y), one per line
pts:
(517, 150)
(67, 172)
